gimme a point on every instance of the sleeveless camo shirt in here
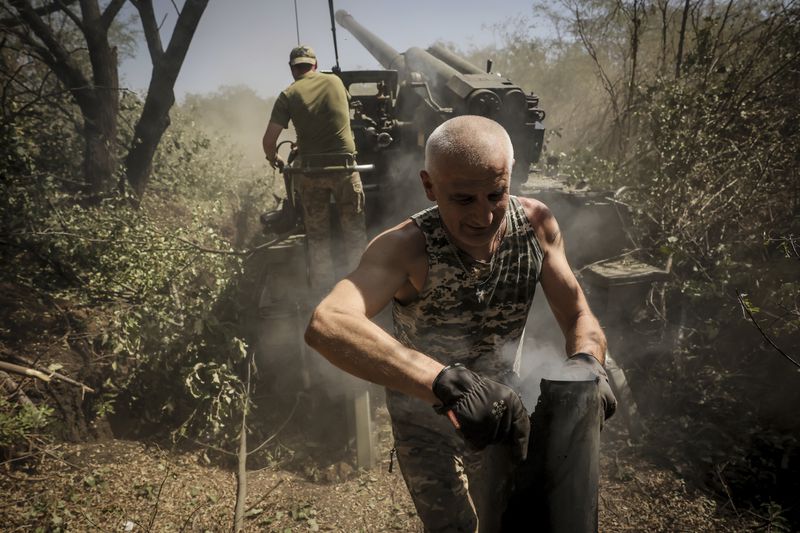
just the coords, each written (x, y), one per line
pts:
(473, 314)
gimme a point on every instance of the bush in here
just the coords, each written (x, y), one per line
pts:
(702, 146)
(20, 424)
(157, 286)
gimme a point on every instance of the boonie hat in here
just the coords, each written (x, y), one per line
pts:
(302, 54)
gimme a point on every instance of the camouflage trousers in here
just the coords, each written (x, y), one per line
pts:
(454, 489)
(315, 194)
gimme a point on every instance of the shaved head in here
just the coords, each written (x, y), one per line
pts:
(467, 172)
(469, 140)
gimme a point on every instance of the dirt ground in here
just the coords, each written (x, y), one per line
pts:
(119, 485)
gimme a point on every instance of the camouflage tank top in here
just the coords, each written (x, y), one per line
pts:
(472, 313)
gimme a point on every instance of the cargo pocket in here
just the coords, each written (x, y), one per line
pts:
(353, 193)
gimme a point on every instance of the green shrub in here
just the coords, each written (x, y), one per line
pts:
(19, 423)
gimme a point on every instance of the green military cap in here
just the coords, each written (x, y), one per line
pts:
(302, 54)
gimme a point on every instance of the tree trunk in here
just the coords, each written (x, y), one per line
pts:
(100, 131)
(160, 97)
(681, 40)
(662, 55)
(148, 132)
(100, 119)
(98, 161)
(98, 97)
(630, 105)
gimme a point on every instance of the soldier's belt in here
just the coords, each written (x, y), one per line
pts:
(326, 164)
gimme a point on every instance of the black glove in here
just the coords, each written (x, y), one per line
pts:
(487, 412)
(586, 367)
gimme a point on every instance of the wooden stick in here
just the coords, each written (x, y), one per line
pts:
(241, 473)
(10, 387)
(38, 374)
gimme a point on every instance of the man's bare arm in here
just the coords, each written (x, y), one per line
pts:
(270, 142)
(582, 331)
(341, 331)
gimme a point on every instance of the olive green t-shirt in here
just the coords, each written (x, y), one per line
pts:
(317, 104)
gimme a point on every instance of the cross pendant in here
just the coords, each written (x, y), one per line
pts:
(481, 294)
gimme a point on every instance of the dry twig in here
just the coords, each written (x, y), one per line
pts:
(158, 500)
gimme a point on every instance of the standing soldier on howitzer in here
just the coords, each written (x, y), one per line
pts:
(461, 278)
(318, 106)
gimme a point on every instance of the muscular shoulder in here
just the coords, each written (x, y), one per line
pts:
(403, 244)
(399, 252)
(542, 220)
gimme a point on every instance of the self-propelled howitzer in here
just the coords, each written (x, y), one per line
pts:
(437, 84)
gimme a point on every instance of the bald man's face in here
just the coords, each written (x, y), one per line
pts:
(472, 199)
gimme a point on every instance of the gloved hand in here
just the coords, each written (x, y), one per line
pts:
(487, 412)
(585, 367)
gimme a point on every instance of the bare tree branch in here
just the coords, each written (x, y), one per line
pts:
(763, 334)
(55, 55)
(150, 27)
(718, 38)
(110, 13)
(41, 11)
(608, 85)
(70, 14)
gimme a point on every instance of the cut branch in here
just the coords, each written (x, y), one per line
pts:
(242, 253)
(10, 388)
(44, 376)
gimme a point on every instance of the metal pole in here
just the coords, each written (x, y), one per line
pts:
(333, 30)
(296, 23)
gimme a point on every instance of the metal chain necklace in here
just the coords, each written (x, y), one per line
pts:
(474, 271)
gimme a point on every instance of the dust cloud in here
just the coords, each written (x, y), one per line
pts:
(235, 114)
(286, 366)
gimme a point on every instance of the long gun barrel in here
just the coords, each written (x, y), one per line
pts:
(454, 60)
(447, 85)
(387, 56)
